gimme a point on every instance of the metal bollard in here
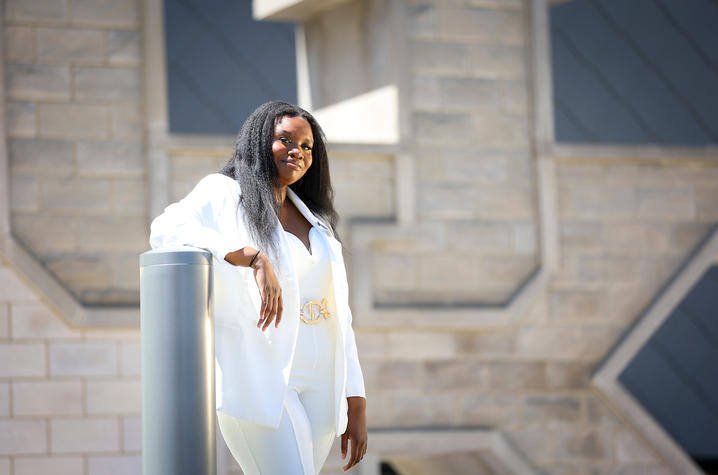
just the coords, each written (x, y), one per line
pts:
(178, 405)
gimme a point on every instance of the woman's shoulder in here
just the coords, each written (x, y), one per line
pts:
(218, 183)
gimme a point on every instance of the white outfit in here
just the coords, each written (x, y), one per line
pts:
(304, 437)
(253, 367)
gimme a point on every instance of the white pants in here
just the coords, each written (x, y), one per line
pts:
(302, 441)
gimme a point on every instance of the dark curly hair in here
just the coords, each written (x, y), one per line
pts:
(252, 165)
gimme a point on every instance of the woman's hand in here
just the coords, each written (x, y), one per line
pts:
(356, 431)
(270, 291)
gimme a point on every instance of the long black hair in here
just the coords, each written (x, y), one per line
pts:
(252, 165)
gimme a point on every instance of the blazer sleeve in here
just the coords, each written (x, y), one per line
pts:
(355, 378)
(193, 221)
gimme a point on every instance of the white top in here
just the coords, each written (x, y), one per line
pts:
(312, 267)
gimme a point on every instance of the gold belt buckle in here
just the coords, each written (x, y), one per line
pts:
(315, 310)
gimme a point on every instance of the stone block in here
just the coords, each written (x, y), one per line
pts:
(470, 167)
(19, 43)
(76, 194)
(470, 93)
(83, 359)
(517, 375)
(674, 203)
(568, 374)
(125, 270)
(525, 239)
(77, 121)
(36, 10)
(12, 289)
(129, 197)
(392, 375)
(69, 45)
(437, 57)
(447, 376)
(127, 121)
(372, 346)
(49, 465)
(534, 444)
(633, 237)
(114, 464)
(598, 413)
(130, 359)
(412, 345)
(630, 448)
(550, 342)
(501, 130)
(422, 21)
(551, 411)
(36, 320)
(22, 436)
(83, 435)
(482, 25)
(22, 360)
(39, 157)
(97, 83)
(47, 398)
(20, 119)
(394, 271)
(4, 321)
(4, 399)
(110, 158)
(24, 193)
(112, 13)
(132, 433)
(114, 397)
(706, 204)
(609, 269)
(584, 444)
(45, 234)
(122, 233)
(425, 92)
(5, 466)
(491, 343)
(37, 82)
(597, 201)
(483, 237)
(508, 203)
(448, 202)
(580, 234)
(487, 410)
(123, 47)
(497, 61)
(423, 410)
(577, 305)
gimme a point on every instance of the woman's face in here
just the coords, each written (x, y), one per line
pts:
(292, 149)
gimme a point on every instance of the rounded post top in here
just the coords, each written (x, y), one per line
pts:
(184, 255)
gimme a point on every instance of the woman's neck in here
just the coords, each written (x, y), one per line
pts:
(280, 194)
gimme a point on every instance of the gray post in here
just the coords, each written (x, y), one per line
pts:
(178, 407)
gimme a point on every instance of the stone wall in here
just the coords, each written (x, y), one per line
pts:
(74, 128)
(70, 399)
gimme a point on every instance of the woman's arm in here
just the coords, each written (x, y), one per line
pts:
(194, 221)
(356, 403)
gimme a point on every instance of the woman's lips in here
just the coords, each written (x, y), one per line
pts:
(292, 164)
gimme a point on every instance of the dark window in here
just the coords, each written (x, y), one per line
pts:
(675, 375)
(635, 72)
(221, 64)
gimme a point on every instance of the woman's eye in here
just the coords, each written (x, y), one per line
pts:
(284, 139)
(307, 148)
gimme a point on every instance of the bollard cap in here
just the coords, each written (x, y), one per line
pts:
(184, 255)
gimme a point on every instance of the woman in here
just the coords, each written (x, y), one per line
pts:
(287, 369)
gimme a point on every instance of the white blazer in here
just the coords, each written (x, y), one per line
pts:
(252, 366)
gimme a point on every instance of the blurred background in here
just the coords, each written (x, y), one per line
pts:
(528, 192)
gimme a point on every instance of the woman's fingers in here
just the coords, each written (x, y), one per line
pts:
(354, 457)
(280, 309)
(344, 445)
(271, 313)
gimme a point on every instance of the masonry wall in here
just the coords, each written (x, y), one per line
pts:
(74, 128)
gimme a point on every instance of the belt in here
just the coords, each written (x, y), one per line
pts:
(313, 311)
